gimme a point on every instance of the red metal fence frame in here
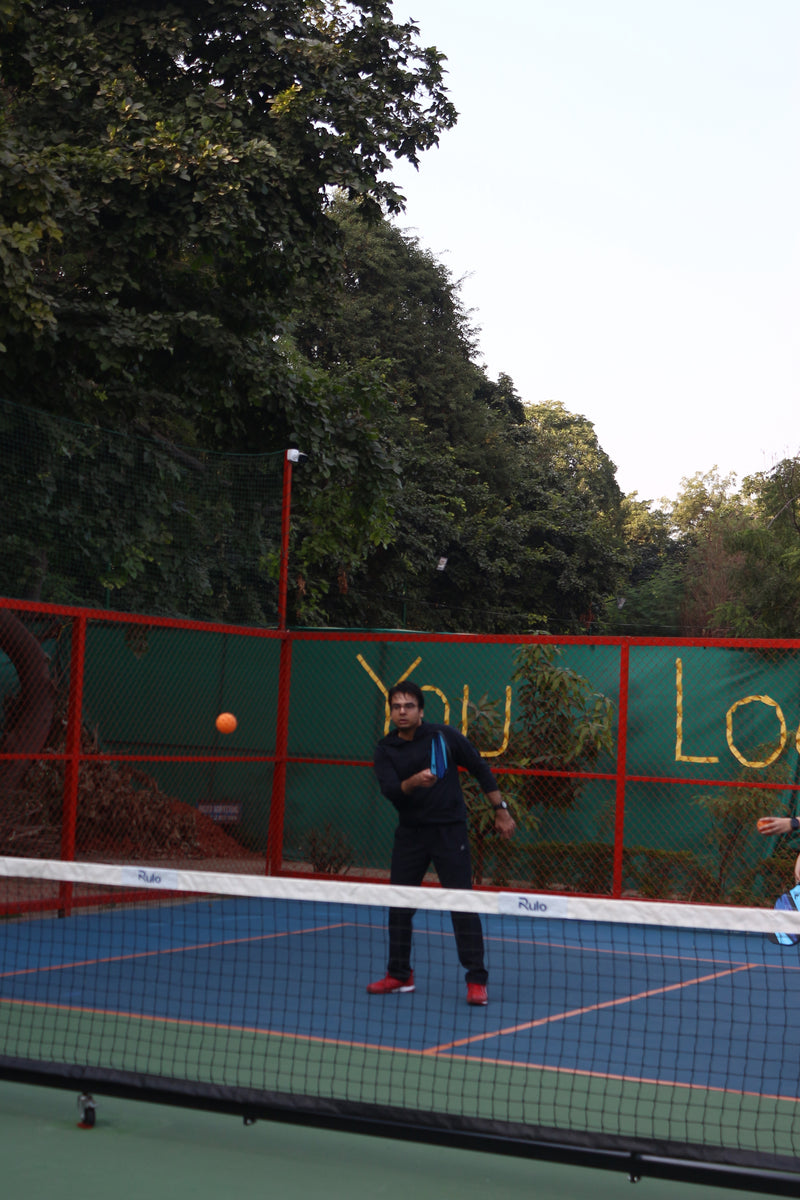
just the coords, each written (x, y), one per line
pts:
(280, 757)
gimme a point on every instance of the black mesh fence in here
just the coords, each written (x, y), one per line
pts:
(137, 524)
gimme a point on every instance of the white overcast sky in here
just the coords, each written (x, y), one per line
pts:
(621, 196)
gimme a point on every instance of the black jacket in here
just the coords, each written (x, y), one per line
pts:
(397, 759)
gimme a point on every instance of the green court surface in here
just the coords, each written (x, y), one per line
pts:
(141, 1150)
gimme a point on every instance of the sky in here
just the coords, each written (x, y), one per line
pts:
(621, 201)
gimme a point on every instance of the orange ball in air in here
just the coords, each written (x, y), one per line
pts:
(226, 722)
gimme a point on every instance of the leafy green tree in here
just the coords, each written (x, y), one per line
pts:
(167, 173)
(648, 601)
(171, 227)
(395, 302)
(503, 397)
(398, 309)
(683, 564)
(764, 543)
(568, 488)
(718, 561)
(706, 518)
(703, 498)
(143, 524)
(520, 502)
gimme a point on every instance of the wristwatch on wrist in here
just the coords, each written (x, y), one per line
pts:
(502, 804)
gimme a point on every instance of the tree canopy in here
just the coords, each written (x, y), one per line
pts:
(520, 501)
(167, 180)
(753, 545)
(721, 560)
(200, 251)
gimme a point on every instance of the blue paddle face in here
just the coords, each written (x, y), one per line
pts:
(788, 901)
(438, 756)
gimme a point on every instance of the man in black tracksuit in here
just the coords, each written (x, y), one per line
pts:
(432, 829)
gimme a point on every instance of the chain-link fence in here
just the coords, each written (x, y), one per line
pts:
(137, 523)
(633, 767)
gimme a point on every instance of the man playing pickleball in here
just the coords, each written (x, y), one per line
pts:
(417, 770)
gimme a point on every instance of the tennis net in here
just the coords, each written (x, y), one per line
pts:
(623, 1027)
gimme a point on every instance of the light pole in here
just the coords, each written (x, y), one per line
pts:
(290, 458)
(277, 806)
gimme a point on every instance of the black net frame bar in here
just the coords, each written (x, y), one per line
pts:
(634, 1164)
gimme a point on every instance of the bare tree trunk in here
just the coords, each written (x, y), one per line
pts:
(29, 714)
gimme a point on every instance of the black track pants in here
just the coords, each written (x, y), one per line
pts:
(446, 847)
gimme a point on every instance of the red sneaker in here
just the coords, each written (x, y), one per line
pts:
(384, 987)
(476, 994)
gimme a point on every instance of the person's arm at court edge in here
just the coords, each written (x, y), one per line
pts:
(504, 823)
(768, 826)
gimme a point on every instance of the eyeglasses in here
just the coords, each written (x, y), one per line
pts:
(402, 707)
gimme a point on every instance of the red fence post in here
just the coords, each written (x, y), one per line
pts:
(622, 756)
(69, 819)
(277, 808)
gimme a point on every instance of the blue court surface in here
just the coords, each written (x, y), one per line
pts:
(672, 1036)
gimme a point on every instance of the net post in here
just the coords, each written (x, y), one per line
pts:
(635, 1168)
(622, 755)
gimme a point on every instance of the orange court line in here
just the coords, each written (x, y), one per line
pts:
(622, 951)
(112, 958)
(222, 1027)
(579, 1012)
(407, 1052)
(612, 1076)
